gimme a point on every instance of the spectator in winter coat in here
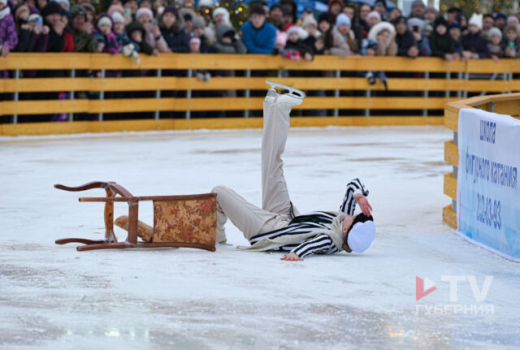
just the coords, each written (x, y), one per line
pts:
(488, 22)
(343, 24)
(405, 40)
(172, 31)
(153, 36)
(394, 14)
(430, 13)
(418, 8)
(132, 5)
(205, 8)
(500, 20)
(187, 15)
(442, 44)
(416, 25)
(380, 41)
(91, 12)
(511, 42)
(373, 18)
(32, 37)
(198, 25)
(380, 7)
(259, 36)
(495, 43)
(219, 16)
(105, 27)
(8, 34)
(335, 44)
(289, 9)
(276, 16)
(456, 35)
(119, 28)
(228, 41)
(335, 7)
(474, 45)
(52, 18)
(83, 41)
(136, 33)
(295, 49)
(310, 25)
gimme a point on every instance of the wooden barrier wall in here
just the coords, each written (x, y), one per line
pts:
(502, 104)
(423, 84)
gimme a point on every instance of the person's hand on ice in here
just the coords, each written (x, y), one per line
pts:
(291, 257)
(366, 208)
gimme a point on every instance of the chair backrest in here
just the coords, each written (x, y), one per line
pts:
(191, 221)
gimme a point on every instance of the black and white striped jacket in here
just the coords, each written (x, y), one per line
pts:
(318, 220)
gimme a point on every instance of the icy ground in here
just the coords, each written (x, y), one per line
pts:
(53, 297)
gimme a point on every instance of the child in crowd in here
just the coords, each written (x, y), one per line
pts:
(202, 75)
(8, 34)
(198, 25)
(344, 24)
(495, 43)
(511, 42)
(172, 31)
(105, 30)
(135, 32)
(295, 49)
(335, 44)
(442, 43)
(474, 45)
(227, 41)
(456, 33)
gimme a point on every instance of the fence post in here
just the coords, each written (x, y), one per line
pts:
(367, 95)
(248, 93)
(336, 93)
(448, 91)
(158, 92)
(188, 93)
(101, 96)
(459, 93)
(427, 77)
(72, 75)
(16, 76)
(466, 78)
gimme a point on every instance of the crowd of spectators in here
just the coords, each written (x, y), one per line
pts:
(153, 27)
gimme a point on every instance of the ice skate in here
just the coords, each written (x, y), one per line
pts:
(293, 98)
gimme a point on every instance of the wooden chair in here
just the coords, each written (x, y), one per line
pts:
(179, 221)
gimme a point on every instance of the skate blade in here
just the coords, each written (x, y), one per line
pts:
(292, 91)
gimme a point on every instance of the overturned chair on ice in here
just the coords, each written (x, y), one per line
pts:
(188, 221)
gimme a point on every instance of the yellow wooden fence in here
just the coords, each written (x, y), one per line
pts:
(502, 104)
(446, 84)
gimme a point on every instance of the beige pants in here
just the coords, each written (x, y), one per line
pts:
(276, 205)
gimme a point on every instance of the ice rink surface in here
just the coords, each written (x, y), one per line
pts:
(53, 297)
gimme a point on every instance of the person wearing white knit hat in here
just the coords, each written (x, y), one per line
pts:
(474, 46)
(206, 3)
(221, 16)
(153, 34)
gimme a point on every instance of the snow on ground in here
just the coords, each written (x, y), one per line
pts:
(53, 297)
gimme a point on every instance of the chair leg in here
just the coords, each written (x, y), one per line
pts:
(79, 240)
(119, 245)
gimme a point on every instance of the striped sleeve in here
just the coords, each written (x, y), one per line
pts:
(348, 205)
(320, 244)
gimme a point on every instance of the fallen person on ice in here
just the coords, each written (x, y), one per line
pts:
(278, 225)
